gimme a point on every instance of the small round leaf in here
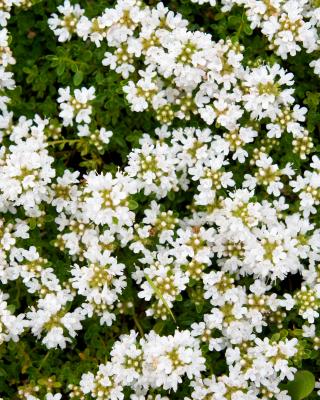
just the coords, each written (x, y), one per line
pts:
(302, 385)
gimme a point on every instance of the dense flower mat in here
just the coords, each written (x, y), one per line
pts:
(159, 200)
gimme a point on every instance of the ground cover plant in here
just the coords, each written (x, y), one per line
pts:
(159, 199)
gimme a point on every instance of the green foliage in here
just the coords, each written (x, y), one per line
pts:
(43, 66)
(302, 385)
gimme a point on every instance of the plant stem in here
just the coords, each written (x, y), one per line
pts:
(137, 323)
(54, 142)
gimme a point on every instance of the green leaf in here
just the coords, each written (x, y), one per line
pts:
(179, 298)
(133, 205)
(302, 385)
(99, 78)
(50, 218)
(171, 196)
(86, 55)
(234, 20)
(158, 327)
(78, 78)
(60, 69)
(32, 223)
(247, 30)
(199, 308)
(219, 16)
(11, 308)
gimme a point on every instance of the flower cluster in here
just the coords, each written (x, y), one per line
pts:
(289, 25)
(186, 73)
(151, 362)
(198, 257)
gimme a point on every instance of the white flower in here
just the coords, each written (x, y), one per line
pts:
(50, 396)
(77, 106)
(315, 64)
(66, 26)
